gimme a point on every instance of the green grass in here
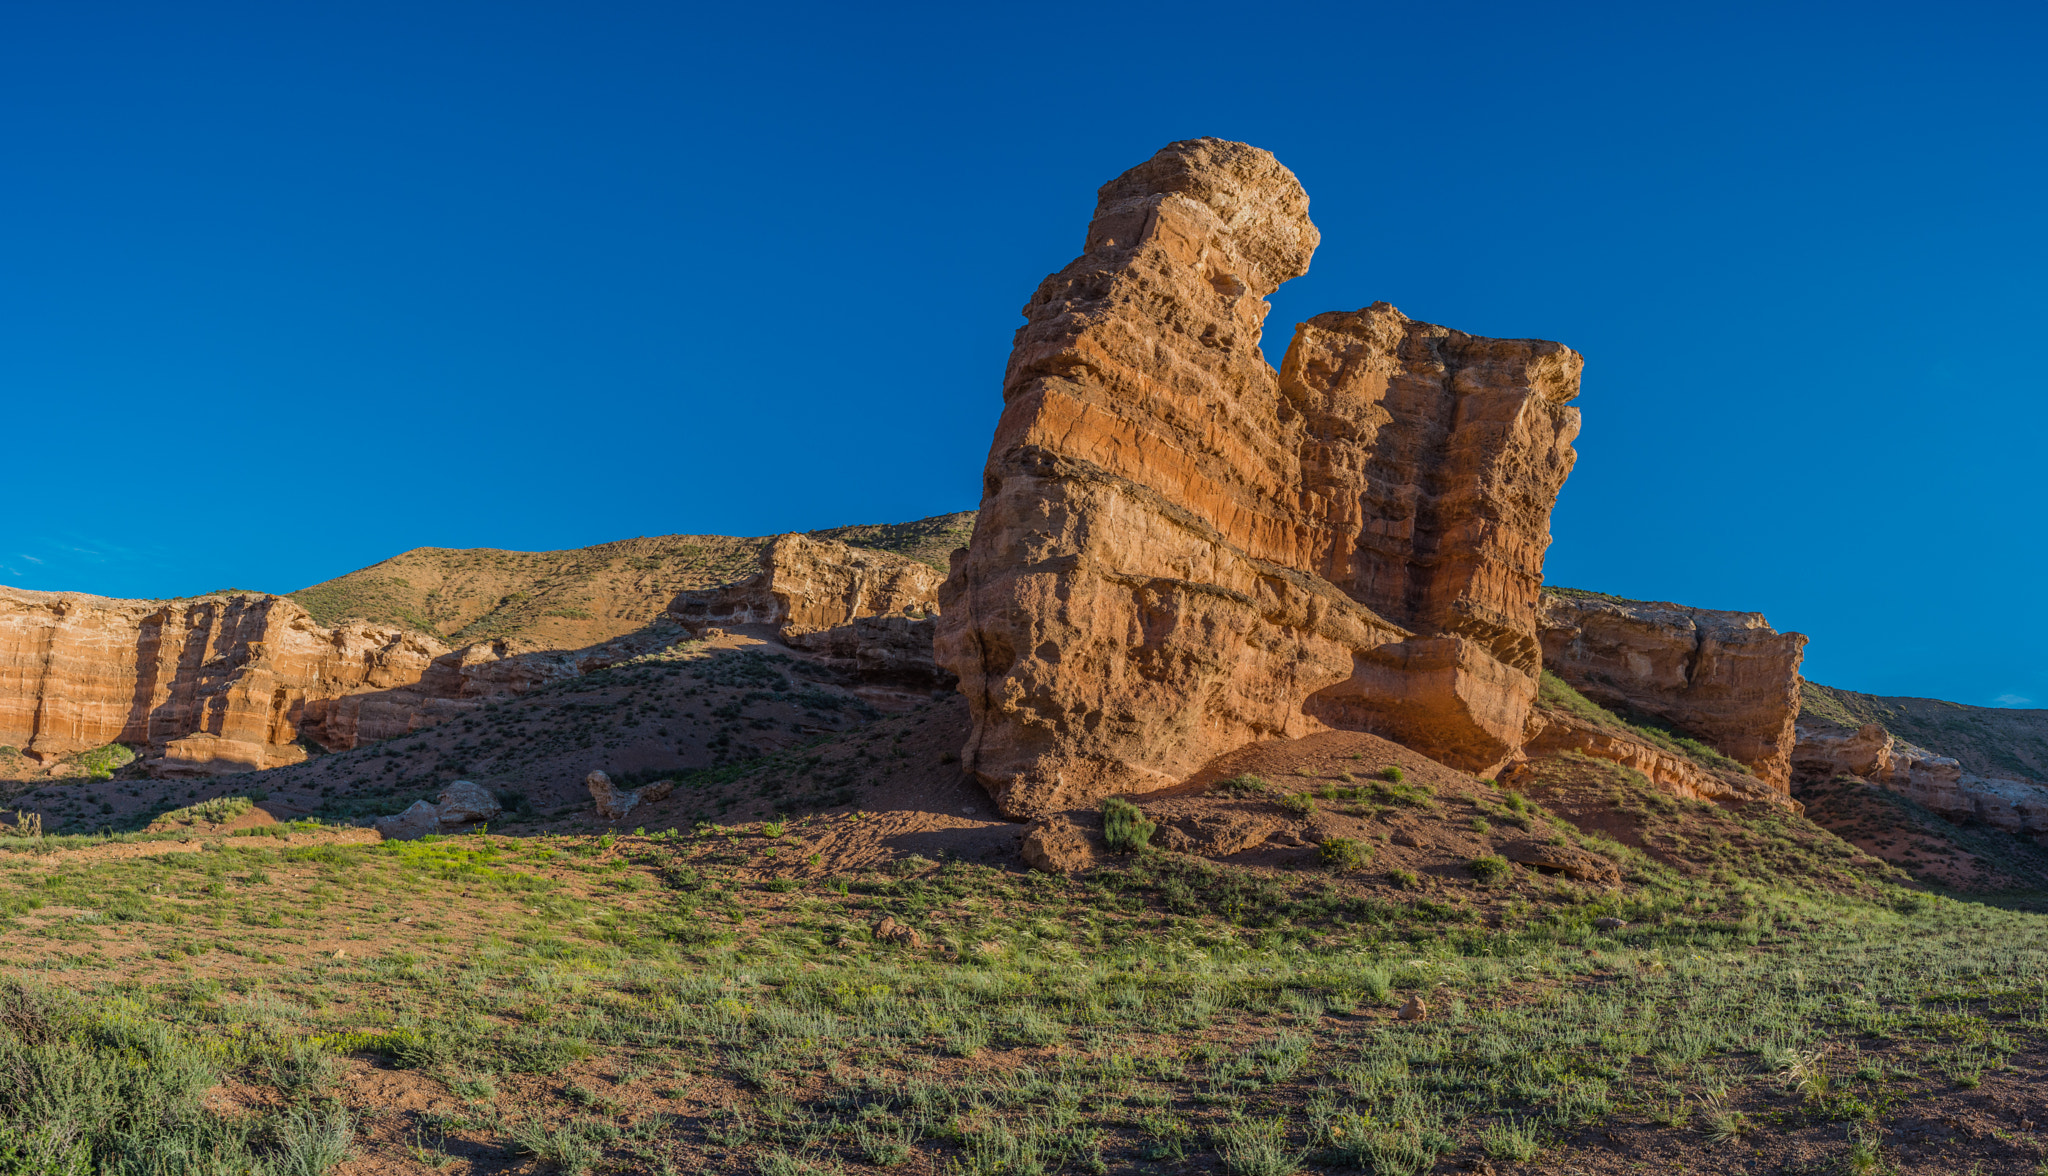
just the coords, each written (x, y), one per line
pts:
(1170, 1011)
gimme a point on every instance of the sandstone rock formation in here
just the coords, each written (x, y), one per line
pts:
(1934, 780)
(614, 802)
(1552, 733)
(1181, 551)
(1577, 864)
(461, 804)
(217, 682)
(231, 682)
(868, 612)
(1725, 678)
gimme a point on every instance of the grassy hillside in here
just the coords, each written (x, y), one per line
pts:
(570, 599)
(1989, 741)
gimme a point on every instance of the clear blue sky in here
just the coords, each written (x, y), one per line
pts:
(288, 288)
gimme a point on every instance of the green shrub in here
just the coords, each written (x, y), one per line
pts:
(1124, 826)
(101, 762)
(1490, 869)
(1393, 773)
(1345, 853)
(1247, 783)
(1405, 879)
(1301, 804)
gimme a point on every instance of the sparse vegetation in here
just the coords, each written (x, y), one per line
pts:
(1124, 826)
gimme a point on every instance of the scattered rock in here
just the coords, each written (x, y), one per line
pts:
(418, 821)
(614, 802)
(1416, 1009)
(1060, 845)
(1214, 834)
(1408, 839)
(1570, 861)
(902, 934)
(1610, 923)
(1181, 551)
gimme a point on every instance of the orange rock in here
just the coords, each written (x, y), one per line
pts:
(1181, 551)
(866, 611)
(211, 683)
(1725, 678)
(1416, 1009)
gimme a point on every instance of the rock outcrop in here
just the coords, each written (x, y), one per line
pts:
(1725, 678)
(1939, 782)
(232, 682)
(1181, 551)
(1553, 733)
(864, 611)
(209, 683)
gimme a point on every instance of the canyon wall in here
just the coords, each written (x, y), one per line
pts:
(214, 680)
(1181, 551)
(1939, 782)
(1725, 678)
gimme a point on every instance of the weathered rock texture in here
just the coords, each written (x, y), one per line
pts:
(231, 682)
(1725, 678)
(1939, 782)
(214, 680)
(1181, 551)
(868, 612)
(614, 802)
(462, 805)
(1553, 732)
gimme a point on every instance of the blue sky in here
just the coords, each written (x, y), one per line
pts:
(287, 289)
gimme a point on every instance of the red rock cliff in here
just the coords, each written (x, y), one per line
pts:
(1181, 550)
(1726, 678)
(214, 681)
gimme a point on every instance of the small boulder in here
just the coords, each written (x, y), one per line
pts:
(1610, 923)
(1059, 845)
(418, 821)
(1404, 837)
(1415, 1010)
(1215, 835)
(464, 802)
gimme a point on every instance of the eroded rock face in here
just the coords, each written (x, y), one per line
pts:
(868, 612)
(1937, 781)
(1553, 733)
(213, 683)
(1726, 678)
(1181, 550)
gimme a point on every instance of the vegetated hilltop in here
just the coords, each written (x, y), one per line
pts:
(584, 596)
(1988, 741)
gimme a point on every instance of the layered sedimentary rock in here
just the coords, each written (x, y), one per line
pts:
(1553, 733)
(213, 680)
(1180, 551)
(1939, 782)
(232, 682)
(868, 612)
(1725, 678)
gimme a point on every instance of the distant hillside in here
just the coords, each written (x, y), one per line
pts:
(1989, 741)
(571, 599)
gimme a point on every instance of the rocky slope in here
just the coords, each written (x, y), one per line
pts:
(1725, 678)
(1986, 741)
(578, 598)
(1181, 550)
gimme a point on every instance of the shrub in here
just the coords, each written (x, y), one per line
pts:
(1301, 804)
(772, 829)
(1344, 853)
(1124, 826)
(1405, 879)
(1247, 783)
(1480, 826)
(101, 762)
(1490, 869)
(1393, 773)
